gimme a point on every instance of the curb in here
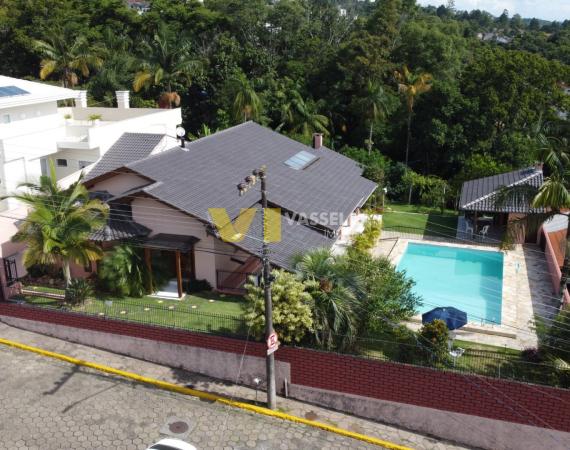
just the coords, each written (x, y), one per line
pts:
(205, 395)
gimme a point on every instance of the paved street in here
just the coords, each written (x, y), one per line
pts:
(47, 404)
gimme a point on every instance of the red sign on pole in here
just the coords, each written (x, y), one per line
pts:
(272, 343)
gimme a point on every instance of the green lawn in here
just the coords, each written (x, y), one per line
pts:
(206, 311)
(417, 219)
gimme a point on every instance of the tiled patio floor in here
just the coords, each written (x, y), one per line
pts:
(527, 292)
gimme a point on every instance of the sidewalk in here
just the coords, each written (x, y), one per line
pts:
(200, 382)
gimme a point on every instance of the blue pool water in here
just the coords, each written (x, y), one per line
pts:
(470, 280)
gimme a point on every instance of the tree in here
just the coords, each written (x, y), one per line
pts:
(292, 316)
(67, 56)
(167, 63)
(122, 271)
(374, 105)
(247, 104)
(335, 290)
(59, 223)
(302, 117)
(411, 86)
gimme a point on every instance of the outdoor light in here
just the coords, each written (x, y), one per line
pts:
(181, 133)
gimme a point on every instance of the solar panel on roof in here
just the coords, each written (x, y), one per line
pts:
(300, 160)
(9, 91)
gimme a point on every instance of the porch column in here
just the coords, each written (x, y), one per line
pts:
(148, 262)
(179, 273)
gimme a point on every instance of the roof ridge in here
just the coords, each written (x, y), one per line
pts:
(217, 133)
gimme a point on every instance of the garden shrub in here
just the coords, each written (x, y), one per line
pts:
(201, 285)
(532, 355)
(78, 291)
(292, 316)
(123, 272)
(367, 239)
(433, 341)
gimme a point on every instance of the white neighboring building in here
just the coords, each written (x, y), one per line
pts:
(34, 129)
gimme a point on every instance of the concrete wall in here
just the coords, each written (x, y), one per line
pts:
(120, 183)
(476, 411)
(214, 363)
(552, 263)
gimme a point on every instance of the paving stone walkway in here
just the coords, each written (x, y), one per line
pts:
(71, 401)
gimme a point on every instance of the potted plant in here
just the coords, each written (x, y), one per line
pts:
(95, 119)
(68, 118)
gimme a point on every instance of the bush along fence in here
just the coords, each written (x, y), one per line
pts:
(337, 374)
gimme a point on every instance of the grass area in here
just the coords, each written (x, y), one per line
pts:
(419, 219)
(209, 312)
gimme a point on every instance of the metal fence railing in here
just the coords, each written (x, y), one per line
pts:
(146, 312)
(476, 362)
(435, 233)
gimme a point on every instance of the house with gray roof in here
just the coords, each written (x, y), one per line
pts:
(161, 198)
(490, 203)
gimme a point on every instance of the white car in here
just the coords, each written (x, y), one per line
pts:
(171, 444)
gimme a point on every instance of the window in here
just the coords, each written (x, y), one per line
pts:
(10, 270)
(84, 164)
(301, 160)
(61, 162)
(6, 118)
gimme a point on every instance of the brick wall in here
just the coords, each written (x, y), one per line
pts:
(486, 397)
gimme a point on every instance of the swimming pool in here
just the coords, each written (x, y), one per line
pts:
(471, 280)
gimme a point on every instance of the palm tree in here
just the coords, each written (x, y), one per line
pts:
(302, 116)
(168, 65)
(247, 104)
(59, 223)
(66, 56)
(374, 105)
(335, 291)
(411, 86)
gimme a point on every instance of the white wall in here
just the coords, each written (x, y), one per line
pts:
(163, 219)
(73, 157)
(120, 183)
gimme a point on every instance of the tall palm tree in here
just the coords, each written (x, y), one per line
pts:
(335, 291)
(66, 56)
(247, 104)
(58, 224)
(375, 105)
(411, 86)
(302, 117)
(167, 64)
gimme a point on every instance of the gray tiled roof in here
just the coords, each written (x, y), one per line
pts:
(128, 148)
(205, 175)
(481, 194)
(117, 230)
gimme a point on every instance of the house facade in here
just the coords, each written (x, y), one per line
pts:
(35, 127)
(161, 198)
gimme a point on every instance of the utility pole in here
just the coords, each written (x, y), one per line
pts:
(267, 279)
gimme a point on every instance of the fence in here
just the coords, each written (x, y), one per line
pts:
(183, 317)
(142, 311)
(434, 233)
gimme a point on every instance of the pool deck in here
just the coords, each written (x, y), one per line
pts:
(526, 291)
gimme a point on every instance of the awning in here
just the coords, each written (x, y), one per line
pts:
(164, 241)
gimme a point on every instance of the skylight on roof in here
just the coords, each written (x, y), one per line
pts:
(300, 160)
(9, 91)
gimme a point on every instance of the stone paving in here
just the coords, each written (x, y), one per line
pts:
(47, 404)
(527, 292)
(24, 374)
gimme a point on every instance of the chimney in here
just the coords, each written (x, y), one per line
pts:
(123, 101)
(317, 140)
(81, 100)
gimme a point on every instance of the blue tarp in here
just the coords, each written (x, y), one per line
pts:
(453, 317)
